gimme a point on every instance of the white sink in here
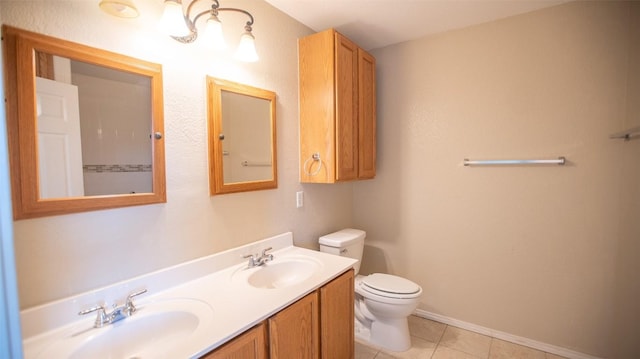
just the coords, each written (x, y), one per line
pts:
(154, 331)
(279, 273)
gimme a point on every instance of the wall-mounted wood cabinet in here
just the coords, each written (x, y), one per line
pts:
(337, 109)
(320, 325)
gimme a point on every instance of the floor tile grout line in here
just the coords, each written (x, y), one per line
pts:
(490, 347)
(439, 340)
(474, 355)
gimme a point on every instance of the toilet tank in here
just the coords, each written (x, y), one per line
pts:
(347, 243)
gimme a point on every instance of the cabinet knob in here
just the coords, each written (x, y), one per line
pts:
(221, 136)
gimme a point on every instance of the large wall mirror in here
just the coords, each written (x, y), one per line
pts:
(242, 137)
(85, 127)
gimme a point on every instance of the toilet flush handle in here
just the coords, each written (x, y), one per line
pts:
(343, 251)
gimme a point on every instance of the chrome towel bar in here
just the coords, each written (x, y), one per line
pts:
(255, 164)
(627, 134)
(559, 161)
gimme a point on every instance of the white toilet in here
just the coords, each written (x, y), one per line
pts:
(383, 301)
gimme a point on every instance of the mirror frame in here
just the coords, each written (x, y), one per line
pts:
(20, 47)
(215, 87)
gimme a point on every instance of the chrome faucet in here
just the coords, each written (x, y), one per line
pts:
(118, 312)
(255, 261)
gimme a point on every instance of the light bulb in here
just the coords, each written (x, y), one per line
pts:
(172, 21)
(213, 36)
(247, 48)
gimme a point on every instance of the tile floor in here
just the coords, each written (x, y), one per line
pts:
(440, 341)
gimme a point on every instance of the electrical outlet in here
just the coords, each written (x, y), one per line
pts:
(299, 199)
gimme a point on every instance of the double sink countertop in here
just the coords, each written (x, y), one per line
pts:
(188, 309)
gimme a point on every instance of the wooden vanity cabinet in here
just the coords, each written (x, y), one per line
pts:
(294, 332)
(251, 344)
(337, 318)
(337, 109)
(320, 325)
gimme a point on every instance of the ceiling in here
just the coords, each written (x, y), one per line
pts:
(375, 23)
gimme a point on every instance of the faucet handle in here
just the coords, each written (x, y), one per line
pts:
(129, 308)
(267, 257)
(98, 309)
(101, 319)
(135, 294)
(252, 260)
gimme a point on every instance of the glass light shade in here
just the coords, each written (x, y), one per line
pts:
(119, 8)
(247, 49)
(172, 21)
(213, 34)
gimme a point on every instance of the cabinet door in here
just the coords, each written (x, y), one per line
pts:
(366, 115)
(249, 345)
(346, 93)
(336, 318)
(316, 61)
(294, 332)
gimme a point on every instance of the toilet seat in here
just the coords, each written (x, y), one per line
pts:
(389, 286)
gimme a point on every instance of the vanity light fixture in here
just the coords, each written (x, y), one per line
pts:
(119, 8)
(182, 27)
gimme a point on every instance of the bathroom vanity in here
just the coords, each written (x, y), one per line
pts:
(320, 325)
(299, 304)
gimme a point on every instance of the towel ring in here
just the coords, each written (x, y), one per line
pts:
(315, 158)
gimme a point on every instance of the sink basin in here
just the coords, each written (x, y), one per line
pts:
(279, 273)
(154, 331)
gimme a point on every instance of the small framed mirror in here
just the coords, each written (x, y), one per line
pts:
(242, 137)
(85, 127)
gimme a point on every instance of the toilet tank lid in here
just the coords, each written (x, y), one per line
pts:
(343, 237)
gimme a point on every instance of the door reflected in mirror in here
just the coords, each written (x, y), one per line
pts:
(93, 129)
(85, 126)
(242, 140)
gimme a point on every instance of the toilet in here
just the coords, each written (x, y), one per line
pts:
(382, 301)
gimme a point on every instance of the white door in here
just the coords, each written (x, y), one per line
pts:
(59, 144)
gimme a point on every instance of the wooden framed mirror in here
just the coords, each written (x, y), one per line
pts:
(85, 127)
(242, 137)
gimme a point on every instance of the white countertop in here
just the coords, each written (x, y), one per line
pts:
(235, 305)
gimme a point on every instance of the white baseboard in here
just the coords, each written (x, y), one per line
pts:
(548, 348)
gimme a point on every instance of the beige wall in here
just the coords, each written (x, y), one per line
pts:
(63, 255)
(549, 253)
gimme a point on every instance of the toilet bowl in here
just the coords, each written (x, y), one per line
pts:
(382, 301)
